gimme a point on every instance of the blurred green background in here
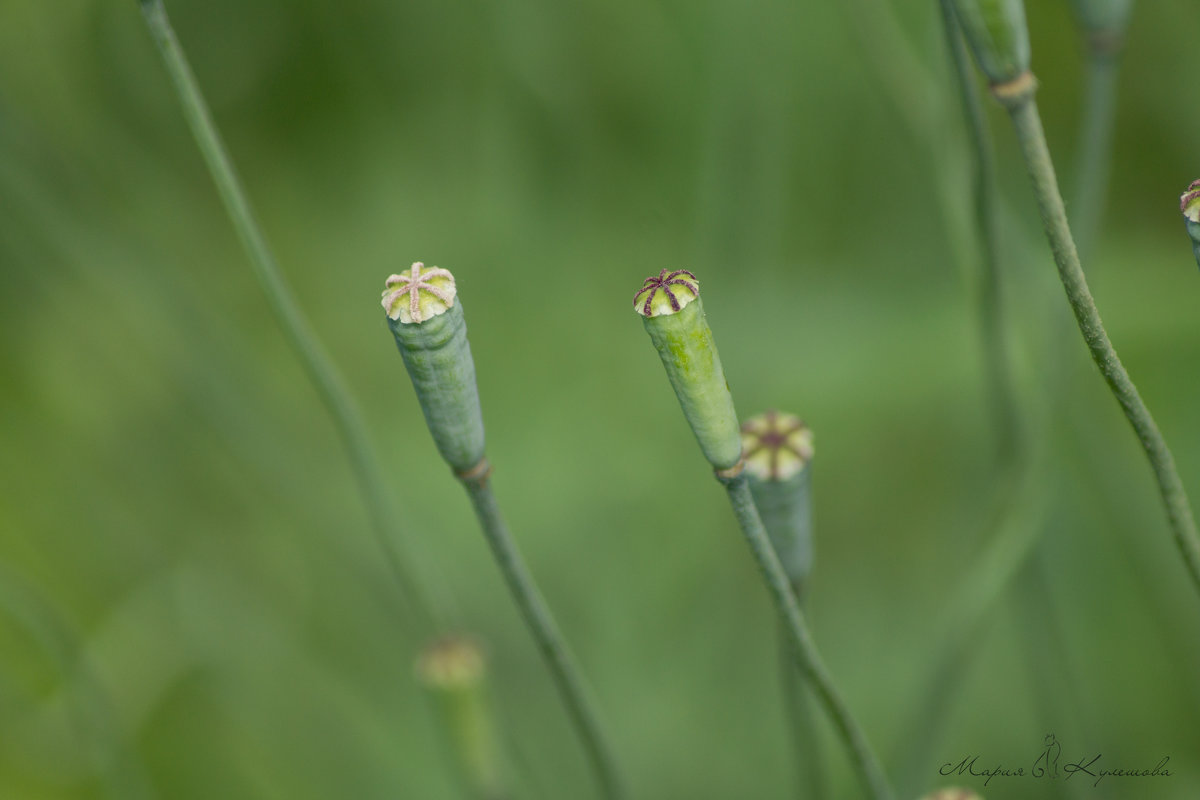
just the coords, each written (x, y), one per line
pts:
(172, 491)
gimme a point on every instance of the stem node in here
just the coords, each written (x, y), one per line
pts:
(1014, 93)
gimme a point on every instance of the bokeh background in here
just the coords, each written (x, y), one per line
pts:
(177, 513)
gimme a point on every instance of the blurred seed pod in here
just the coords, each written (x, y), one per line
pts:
(673, 313)
(998, 36)
(1103, 16)
(453, 672)
(427, 321)
(778, 450)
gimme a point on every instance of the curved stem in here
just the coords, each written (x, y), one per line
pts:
(1028, 126)
(1009, 541)
(1095, 146)
(1000, 382)
(296, 328)
(804, 649)
(549, 640)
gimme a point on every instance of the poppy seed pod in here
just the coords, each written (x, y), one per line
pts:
(451, 664)
(998, 36)
(426, 318)
(1189, 204)
(1103, 16)
(453, 672)
(778, 450)
(673, 314)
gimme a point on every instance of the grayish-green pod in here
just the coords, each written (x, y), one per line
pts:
(674, 317)
(427, 320)
(1105, 16)
(778, 451)
(998, 36)
(786, 510)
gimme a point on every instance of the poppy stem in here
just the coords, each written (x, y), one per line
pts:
(322, 373)
(566, 673)
(804, 650)
(1027, 123)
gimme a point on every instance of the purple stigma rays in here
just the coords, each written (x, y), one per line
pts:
(667, 293)
(776, 446)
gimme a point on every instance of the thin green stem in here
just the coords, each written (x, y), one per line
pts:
(967, 615)
(299, 333)
(550, 642)
(802, 722)
(1028, 126)
(998, 363)
(804, 649)
(1095, 147)
(911, 87)
(1019, 527)
(1010, 541)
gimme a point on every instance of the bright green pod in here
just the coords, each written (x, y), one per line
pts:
(1189, 204)
(1103, 16)
(427, 320)
(778, 451)
(998, 36)
(671, 309)
(453, 672)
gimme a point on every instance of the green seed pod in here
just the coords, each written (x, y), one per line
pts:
(453, 672)
(778, 450)
(953, 793)
(671, 309)
(431, 333)
(1189, 204)
(997, 35)
(1103, 16)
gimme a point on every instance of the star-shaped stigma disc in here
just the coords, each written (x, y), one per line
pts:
(776, 446)
(667, 293)
(453, 662)
(419, 294)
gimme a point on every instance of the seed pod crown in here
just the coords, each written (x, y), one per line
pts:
(418, 294)
(666, 294)
(776, 446)
(452, 662)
